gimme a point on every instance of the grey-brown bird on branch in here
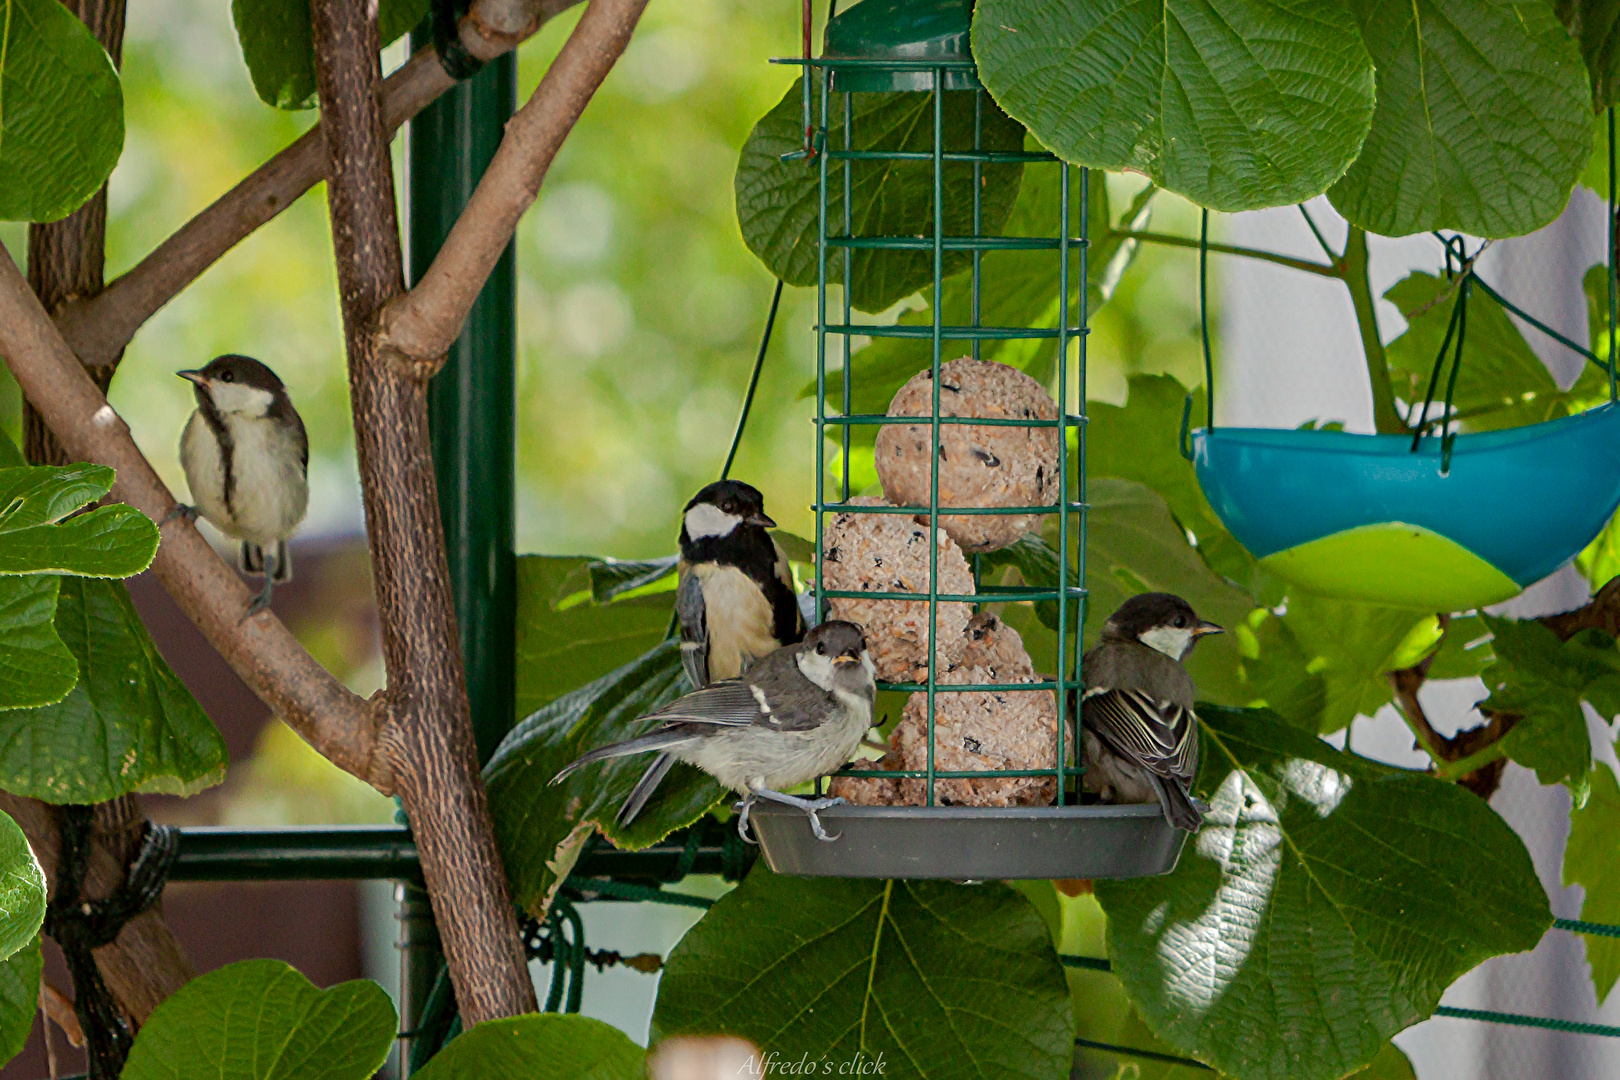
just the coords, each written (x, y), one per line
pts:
(246, 458)
(1140, 736)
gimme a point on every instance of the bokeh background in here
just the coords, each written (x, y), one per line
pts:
(640, 312)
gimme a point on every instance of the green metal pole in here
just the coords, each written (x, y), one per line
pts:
(470, 415)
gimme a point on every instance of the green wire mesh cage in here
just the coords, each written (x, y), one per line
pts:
(920, 48)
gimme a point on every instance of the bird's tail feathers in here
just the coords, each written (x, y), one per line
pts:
(644, 788)
(252, 560)
(255, 560)
(1178, 806)
(283, 572)
(657, 740)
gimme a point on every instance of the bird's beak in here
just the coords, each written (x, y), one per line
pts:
(760, 519)
(845, 660)
(1205, 628)
(194, 376)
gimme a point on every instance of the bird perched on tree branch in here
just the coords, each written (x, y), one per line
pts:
(246, 458)
(1140, 737)
(795, 715)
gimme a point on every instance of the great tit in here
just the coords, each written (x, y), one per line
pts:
(797, 714)
(246, 459)
(734, 599)
(1140, 737)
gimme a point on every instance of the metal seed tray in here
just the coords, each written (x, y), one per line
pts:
(967, 843)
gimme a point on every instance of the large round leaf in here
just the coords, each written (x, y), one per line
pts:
(22, 889)
(547, 1046)
(36, 668)
(930, 979)
(778, 202)
(61, 112)
(37, 535)
(1236, 104)
(1326, 905)
(262, 1020)
(19, 998)
(1484, 118)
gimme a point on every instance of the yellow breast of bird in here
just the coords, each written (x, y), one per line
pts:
(739, 618)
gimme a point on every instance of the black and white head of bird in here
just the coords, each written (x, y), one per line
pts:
(725, 511)
(1161, 621)
(833, 655)
(238, 386)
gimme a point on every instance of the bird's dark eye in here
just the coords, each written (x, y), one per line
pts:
(821, 650)
(227, 376)
(1181, 622)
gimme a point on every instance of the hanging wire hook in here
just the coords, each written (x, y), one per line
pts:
(753, 381)
(1203, 318)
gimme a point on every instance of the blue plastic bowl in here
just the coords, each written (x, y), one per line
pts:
(1364, 517)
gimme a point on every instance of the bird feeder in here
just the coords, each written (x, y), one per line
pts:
(921, 47)
(1435, 522)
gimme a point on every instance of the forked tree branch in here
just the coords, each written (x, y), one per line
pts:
(337, 722)
(98, 328)
(421, 325)
(429, 733)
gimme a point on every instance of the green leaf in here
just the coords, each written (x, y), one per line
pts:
(1502, 383)
(1237, 104)
(262, 1020)
(129, 725)
(36, 668)
(1590, 863)
(539, 1047)
(111, 541)
(1133, 545)
(61, 112)
(1327, 904)
(279, 47)
(22, 889)
(1276, 670)
(541, 827)
(1351, 647)
(1544, 680)
(1139, 442)
(778, 201)
(1596, 25)
(1483, 121)
(932, 979)
(564, 640)
(19, 998)
(1016, 288)
(1389, 1064)
(612, 578)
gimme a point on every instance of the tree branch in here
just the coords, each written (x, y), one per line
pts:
(430, 729)
(421, 325)
(338, 723)
(98, 328)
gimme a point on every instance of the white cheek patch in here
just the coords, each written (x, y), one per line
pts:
(817, 668)
(238, 398)
(706, 520)
(1170, 640)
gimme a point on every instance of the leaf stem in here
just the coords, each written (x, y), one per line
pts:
(1320, 269)
(1354, 272)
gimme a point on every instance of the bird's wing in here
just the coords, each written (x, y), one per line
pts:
(694, 622)
(785, 610)
(1159, 735)
(731, 703)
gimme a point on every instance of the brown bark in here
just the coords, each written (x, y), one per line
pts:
(430, 731)
(145, 964)
(330, 717)
(67, 259)
(422, 324)
(99, 327)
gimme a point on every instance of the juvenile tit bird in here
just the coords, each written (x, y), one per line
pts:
(1140, 737)
(246, 458)
(734, 600)
(795, 715)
